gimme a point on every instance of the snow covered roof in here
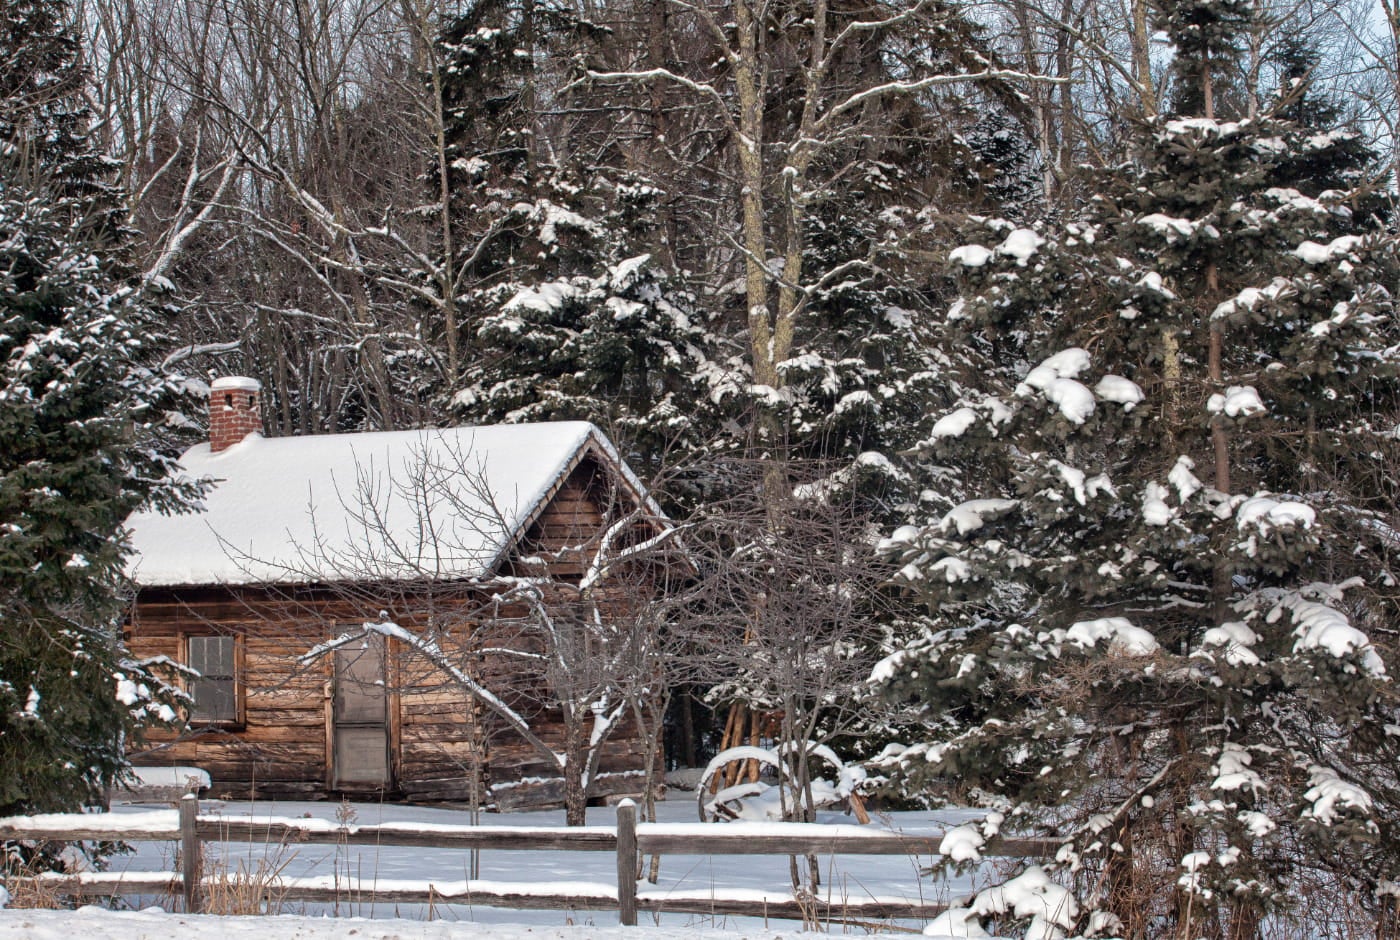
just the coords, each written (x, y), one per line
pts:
(392, 505)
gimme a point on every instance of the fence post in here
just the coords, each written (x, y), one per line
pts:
(627, 863)
(191, 853)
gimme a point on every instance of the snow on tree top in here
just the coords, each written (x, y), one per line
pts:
(1065, 364)
(1311, 252)
(544, 298)
(1290, 198)
(1050, 907)
(1122, 636)
(1330, 795)
(1020, 244)
(1055, 378)
(1319, 627)
(954, 424)
(1074, 400)
(1265, 513)
(623, 274)
(1250, 296)
(1121, 391)
(1236, 639)
(1232, 770)
(968, 517)
(1172, 228)
(1203, 126)
(398, 505)
(971, 256)
(1239, 401)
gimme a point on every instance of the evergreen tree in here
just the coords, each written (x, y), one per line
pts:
(1148, 596)
(77, 411)
(548, 196)
(615, 343)
(852, 377)
(566, 308)
(43, 118)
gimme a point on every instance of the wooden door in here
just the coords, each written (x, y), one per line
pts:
(360, 718)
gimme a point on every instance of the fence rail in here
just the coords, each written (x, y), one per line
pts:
(627, 840)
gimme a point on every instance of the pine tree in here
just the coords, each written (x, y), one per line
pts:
(77, 411)
(567, 310)
(1148, 595)
(615, 343)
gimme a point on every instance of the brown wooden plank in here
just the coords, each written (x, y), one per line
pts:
(738, 843)
(77, 833)
(450, 737)
(297, 698)
(834, 913)
(587, 839)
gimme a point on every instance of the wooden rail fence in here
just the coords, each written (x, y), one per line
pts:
(627, 840)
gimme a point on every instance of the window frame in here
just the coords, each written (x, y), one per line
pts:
(238, 720)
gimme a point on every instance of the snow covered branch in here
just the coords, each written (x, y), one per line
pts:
(433, 653)
(933, 81)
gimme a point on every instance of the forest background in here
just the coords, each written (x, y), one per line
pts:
(827, 271)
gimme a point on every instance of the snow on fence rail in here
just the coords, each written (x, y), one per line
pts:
(627, 840)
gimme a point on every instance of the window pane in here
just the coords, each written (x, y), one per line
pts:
(220, 649)
(214, 692)
(212, 656)
(213, 700)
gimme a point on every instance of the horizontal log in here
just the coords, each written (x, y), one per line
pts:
(306, 721)
(439, 696)
(741, 843)
(566, 505)
(418, 778)
(500, 895)
(276, 727)
(427, 791)
(652, 838)
(304, 749)
(579, 839)
(263, 775)
(454, 735)
(521, 902)
(276, 686)
(93, 833)
(250, 765)
(450, 760)
(269, 789)
(86, 886)
(834, 913)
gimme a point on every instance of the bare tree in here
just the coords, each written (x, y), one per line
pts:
(802, 91)
(287, 142)
(574, 627)
(790, 614)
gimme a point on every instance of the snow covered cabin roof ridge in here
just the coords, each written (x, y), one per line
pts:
(447, 503)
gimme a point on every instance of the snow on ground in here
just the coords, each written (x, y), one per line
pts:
(848, 877)
(92, 923)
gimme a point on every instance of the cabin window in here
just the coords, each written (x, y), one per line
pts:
(215, 690)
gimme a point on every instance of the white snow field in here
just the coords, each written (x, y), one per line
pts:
(546, 872)
(93, 923)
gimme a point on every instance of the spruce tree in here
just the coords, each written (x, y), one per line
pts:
(567, 310)
(616, 343)
(1149, 597)
(77, 412)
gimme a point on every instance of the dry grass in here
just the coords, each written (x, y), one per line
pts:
(246, 889)
(29, 891)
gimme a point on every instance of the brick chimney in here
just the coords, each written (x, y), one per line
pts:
(233, 411)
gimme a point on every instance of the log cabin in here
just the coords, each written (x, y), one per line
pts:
(300, 539)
